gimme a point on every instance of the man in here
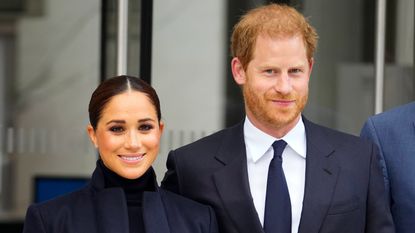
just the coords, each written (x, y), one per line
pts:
(394, 133)
(324, 181)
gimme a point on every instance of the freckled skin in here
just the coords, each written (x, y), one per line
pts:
(275, 83)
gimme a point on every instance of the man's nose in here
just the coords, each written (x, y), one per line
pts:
(283, 84)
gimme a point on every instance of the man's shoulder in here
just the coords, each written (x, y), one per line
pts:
(328, 132)
(335, 137)
(193, 214)
(181, 202)
(397, 114)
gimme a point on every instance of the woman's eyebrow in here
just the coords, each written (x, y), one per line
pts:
(115, 121)
(145, 119)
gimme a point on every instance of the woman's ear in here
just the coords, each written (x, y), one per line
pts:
(238, 71)
(91, 133)
(161, 126)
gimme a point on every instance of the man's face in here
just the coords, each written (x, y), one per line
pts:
(275, 83)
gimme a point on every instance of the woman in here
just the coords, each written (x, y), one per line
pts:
(123, 195)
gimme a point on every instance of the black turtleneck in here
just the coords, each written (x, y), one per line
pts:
(133, 190)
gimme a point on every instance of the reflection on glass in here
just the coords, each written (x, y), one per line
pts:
(54, 67)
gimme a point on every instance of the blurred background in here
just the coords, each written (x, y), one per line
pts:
(53, 53)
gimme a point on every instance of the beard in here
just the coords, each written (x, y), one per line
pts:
(266, 113)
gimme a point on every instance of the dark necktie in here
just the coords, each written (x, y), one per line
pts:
(277, 204)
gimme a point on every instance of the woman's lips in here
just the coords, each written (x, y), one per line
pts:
(132, 158)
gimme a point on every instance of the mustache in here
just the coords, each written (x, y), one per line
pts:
(276, 96)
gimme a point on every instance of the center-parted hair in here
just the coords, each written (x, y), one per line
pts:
(115, 86)
(274, 20)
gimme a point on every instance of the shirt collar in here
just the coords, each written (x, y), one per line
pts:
(259, 142)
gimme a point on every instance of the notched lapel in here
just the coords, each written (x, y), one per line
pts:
(232, 183)
(322, 172)
(234, 191)
(154, 215)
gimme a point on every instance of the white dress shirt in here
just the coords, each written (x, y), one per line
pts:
(259, 153)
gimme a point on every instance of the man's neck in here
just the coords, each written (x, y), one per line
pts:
(273, 130)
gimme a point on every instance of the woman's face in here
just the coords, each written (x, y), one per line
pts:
(128, 134)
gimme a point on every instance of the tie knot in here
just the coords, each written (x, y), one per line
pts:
(278, 147)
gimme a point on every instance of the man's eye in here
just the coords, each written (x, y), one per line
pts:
(269, 71)
(295, 71)
(116, 129)
(145, 127)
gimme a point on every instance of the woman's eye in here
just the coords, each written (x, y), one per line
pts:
(145, 127)
(116, 129)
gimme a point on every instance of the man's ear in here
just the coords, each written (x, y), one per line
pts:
(91, 133)
(311, 64)
(238, 71)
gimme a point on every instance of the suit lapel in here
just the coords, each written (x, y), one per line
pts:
(155, 219)
(321, 177)
(232, 182)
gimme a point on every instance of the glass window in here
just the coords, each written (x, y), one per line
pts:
(342, 83)
(49, 65)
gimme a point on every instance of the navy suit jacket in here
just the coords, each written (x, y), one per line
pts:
(95, 209)
(344, 191)
(394, 133)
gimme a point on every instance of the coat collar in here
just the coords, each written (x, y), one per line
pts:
(112, 212)
(232, 182)
(98, 177)
(321, 177)
(233, 186)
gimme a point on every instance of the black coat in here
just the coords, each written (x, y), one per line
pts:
(344, 189)
(104, 210)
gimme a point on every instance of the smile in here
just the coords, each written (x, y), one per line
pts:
(132, 158)
(283, 102)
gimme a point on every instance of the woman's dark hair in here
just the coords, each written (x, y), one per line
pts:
(118, 85)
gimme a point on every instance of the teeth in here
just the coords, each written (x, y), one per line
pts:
(131, 158)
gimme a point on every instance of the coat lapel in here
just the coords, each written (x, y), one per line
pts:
(321, 178)
(110, 206)
(111, 211)
(155, 219)
(232, 182)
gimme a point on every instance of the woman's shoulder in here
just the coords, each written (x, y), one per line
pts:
(64, 212)
(69, 200)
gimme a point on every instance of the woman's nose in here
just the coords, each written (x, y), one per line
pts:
(132, 140)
